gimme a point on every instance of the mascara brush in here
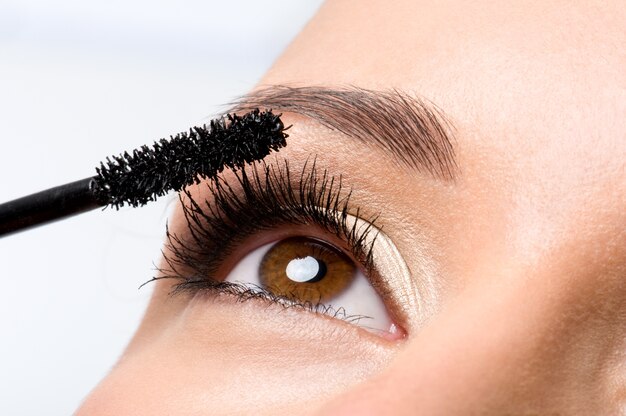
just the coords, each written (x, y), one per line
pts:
(147, 173)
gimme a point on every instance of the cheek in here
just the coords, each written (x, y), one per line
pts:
(226, 358)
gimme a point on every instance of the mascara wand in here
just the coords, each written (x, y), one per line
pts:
(149, 172)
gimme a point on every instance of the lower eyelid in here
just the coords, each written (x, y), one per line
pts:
(307, 321)
(270, 319)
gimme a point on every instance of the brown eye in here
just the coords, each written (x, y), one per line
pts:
(306, 270)
(313, 274)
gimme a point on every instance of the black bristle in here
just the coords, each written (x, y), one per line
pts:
(203, 152)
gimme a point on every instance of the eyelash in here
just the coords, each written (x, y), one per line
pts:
(267, 198)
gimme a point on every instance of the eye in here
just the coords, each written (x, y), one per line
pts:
(307, 271)
(360, 277)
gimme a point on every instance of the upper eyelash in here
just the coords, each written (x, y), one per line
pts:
(267, 196)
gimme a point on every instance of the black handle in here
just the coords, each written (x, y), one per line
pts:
(47, 206)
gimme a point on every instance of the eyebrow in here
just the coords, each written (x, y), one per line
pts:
(414, 132)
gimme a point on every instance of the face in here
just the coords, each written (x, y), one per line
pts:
(477, 265)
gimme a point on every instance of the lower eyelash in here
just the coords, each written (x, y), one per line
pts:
(259, 198)
(244, 292)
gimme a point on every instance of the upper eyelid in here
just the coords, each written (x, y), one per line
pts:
(212, 225)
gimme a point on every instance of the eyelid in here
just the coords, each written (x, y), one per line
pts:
(257, 199)
(272, 198)
(390, 273)
(387, 272)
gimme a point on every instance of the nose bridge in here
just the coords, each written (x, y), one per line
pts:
(531, 341)
(492, 348)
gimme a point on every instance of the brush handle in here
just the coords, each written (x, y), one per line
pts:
(47, 206)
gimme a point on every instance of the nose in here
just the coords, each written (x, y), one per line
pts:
(551, 340)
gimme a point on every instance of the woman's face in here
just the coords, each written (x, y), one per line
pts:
(498, 203)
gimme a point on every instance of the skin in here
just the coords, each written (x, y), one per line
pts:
(527, 245)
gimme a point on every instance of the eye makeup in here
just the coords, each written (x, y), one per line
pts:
(263, 198)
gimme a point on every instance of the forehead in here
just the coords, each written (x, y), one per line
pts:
(513, 78)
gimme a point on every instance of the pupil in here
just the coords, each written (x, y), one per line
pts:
(306, 270)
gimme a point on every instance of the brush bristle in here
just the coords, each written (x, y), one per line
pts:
(150, 172)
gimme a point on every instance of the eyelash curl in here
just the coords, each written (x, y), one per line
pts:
(262, 197)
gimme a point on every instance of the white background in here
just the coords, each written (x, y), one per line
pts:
(80, 80)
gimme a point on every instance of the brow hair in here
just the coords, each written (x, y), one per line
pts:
(416, 133)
